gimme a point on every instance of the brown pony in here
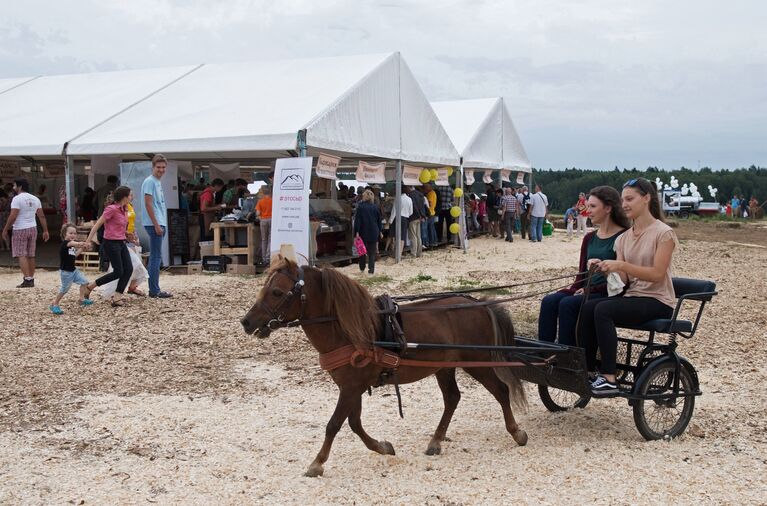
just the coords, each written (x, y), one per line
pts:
(350, 317)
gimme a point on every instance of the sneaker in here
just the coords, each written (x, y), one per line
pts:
(86, 302)
(601, 387)
(56, 310)
(27, 283)
(160, 295)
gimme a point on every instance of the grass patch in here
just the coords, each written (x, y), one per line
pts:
(465, 283)
(375, 280)
(421, 278)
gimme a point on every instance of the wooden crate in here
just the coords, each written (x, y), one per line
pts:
(88, 261)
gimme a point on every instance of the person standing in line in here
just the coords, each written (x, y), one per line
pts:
(155, 220)
(264, 214)
(538, 209)
(570, 215)
(68, 273)
(24, 208)
(492, 210)
(445, 218)
(430, 240)
(367, 226)
(582, 215)
(414, 223)
(508, 206)
(115, 222)
(482, 210)
(406, 209)
(524, 217)
(734, 204)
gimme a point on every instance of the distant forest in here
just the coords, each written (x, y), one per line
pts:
(562, 186)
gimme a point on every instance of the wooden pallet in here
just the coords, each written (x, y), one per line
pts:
(88, 261)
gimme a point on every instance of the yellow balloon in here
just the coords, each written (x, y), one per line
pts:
(425, 176)
(449, 171)
(454, 228)
(458, 193)
(455, 212)
(434, 174)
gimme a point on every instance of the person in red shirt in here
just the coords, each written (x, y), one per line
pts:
(264, 213)
(209, 208)
(583, 214)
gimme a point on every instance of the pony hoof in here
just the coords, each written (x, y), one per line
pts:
(520, 437)
(387, 448)
(314, 471)
(433, 450)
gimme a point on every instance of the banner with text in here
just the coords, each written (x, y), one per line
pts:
(371, 172)
(505, 173)
(9, 170)
(469, 177)
(442, 177)
(520, 178)
(290, 206)
(488, 176)
(327, 165)
(410, 175)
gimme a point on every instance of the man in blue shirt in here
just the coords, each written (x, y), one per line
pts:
(155, 219)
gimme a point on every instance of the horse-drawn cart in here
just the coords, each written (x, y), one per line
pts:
(362, 344)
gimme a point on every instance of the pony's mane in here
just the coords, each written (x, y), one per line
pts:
(351, 303)
(345, 299)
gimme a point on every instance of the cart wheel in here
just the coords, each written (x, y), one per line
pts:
(656, 419)
(560, 400)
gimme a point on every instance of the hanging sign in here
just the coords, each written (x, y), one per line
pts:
(488, 176)
(520, 178)
(371, 172)
(505, 173)
(290, 205)
(442, 176)
(469, 177)
(54, 169)
(327, 165)
(410, 175)
(9, 170)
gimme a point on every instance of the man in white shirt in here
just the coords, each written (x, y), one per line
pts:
(406, 209)
(537, 209)
(24, 208)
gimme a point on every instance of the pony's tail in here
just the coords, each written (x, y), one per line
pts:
(504, 336)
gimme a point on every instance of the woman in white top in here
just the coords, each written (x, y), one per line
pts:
(643, 261)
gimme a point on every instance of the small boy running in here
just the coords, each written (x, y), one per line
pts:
(69, 273)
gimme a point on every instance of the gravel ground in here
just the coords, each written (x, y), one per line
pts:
(170, 402)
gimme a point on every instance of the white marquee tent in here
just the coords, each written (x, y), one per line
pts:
(483, 133)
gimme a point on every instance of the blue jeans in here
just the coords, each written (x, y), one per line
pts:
(560, 309)
(536, 228)
(431, 231)
(425, 232)
(155, 259)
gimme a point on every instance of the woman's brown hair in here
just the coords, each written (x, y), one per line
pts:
(120, 193)
(609, 196)
(645, 187)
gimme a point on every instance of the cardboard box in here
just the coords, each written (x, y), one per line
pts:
(238, 259)
(206, 249)
(241, 269)
(194, 268)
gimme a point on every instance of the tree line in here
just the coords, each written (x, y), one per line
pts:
(562, 186)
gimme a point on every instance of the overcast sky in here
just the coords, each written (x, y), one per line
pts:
(592, 84)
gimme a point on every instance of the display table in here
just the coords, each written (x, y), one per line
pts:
(230, 227)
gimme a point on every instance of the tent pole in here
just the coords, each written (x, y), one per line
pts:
(69, 188)
(302, 154)
(462, 202)
(398, 212)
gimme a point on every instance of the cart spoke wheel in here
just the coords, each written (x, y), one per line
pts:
(560, 400)
(666, 416)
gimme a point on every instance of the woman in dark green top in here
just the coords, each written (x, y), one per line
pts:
(561, 309)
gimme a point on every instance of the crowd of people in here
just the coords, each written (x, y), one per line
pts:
(741, 207)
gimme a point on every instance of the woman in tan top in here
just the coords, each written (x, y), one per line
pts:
(643, 261)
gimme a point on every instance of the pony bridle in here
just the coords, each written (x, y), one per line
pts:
(277, 314)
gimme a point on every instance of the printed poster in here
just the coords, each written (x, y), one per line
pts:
(410, 175)
(327, 165)
(488, 176)
(520, 178)
(9, 170)
(374, 173)
(469, 177)
(290, 206)
(505, 173)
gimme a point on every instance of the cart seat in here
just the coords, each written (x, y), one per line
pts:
(665, 326)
